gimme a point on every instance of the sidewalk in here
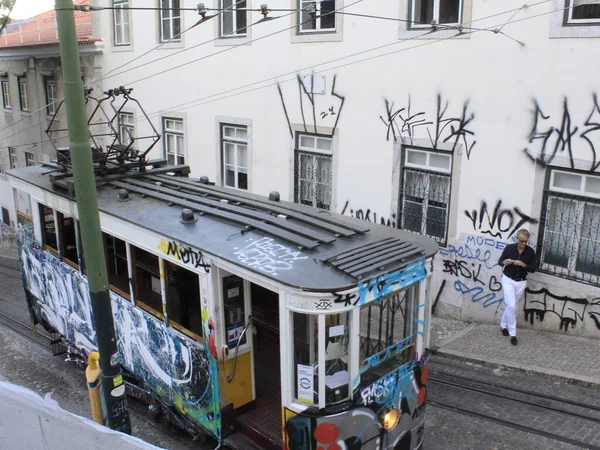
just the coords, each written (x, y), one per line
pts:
(553, 354)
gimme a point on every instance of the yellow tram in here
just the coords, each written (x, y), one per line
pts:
(262, 323)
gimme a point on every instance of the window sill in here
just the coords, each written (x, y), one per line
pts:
(8, 110)
(224, 41)
(561, 272)
(170, 45)
(428, 33)
(186, 332)
(558, 28)
(149, 310)
(118, 291)
(315, 36)
(575, 31)
(122, 48)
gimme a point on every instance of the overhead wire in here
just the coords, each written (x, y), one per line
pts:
(97, 80)
(510, 21)
(233, 47)
(102, 78)
(494, 29)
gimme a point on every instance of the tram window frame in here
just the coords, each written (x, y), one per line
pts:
(337, 356)
(61, 219)
(172, 291)
(397, 356)
(111, 276)
(234, 308)
(302, 332)
(44, 212)
(140, 269)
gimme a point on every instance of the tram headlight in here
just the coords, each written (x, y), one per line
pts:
(389, 418)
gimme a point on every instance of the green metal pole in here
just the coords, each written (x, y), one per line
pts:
(113, 387)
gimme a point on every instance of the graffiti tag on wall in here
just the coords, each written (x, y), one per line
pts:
(369, 216)
(453, 130)
(559, 135)
(314, 110)
(470, 265)
(570, 311)
(502, 223)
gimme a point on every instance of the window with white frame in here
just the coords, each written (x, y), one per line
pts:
(316, 16)
(5, 93)
(23, 93)
(233, 18)
(444, 12)
(173, 140)
(170, 20)
(126, 128)
(29, 159)
(580, 12)
(313, 170)
(570, 227)
(50, 86)
(424, 203)
(234, 156)
(13, 158)
(121, 22)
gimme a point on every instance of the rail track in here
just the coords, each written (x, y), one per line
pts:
(27, 332)
(515, 407)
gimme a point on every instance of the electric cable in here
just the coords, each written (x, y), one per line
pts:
(140, 56)
(348, 56)
(493, 29)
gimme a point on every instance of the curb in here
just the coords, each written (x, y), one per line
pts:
(556, 375)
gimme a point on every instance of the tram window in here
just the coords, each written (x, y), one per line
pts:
(146, 277)
(386, 330)
(337, 328)
(183, 298)
(233, 301)
(68, 239)
(306, 338)
(116, 263)
(49, 237)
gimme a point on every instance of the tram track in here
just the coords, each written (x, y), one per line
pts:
(9, 271)
(497, 403)
(519, 391)
(26, 331)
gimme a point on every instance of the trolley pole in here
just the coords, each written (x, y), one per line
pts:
(112, 384)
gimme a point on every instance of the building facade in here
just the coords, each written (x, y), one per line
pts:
(32, 90)
(464, 120)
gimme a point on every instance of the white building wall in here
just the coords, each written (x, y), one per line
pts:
(25, 131)
(495, 78)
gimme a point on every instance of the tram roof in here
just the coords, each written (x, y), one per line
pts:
(297, 245)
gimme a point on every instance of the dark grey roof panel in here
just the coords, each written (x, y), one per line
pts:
(217, 206)
(319, 251)
(172, 199)
(300, 211)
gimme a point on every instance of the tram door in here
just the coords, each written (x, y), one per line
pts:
(265, 317)
(256, 359)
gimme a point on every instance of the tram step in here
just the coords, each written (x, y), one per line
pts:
(240, 441)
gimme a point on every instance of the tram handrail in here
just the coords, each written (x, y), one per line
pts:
(237, 348)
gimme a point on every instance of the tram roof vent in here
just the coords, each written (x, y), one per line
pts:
(361, 261)
(123, 195)
(187, 216)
